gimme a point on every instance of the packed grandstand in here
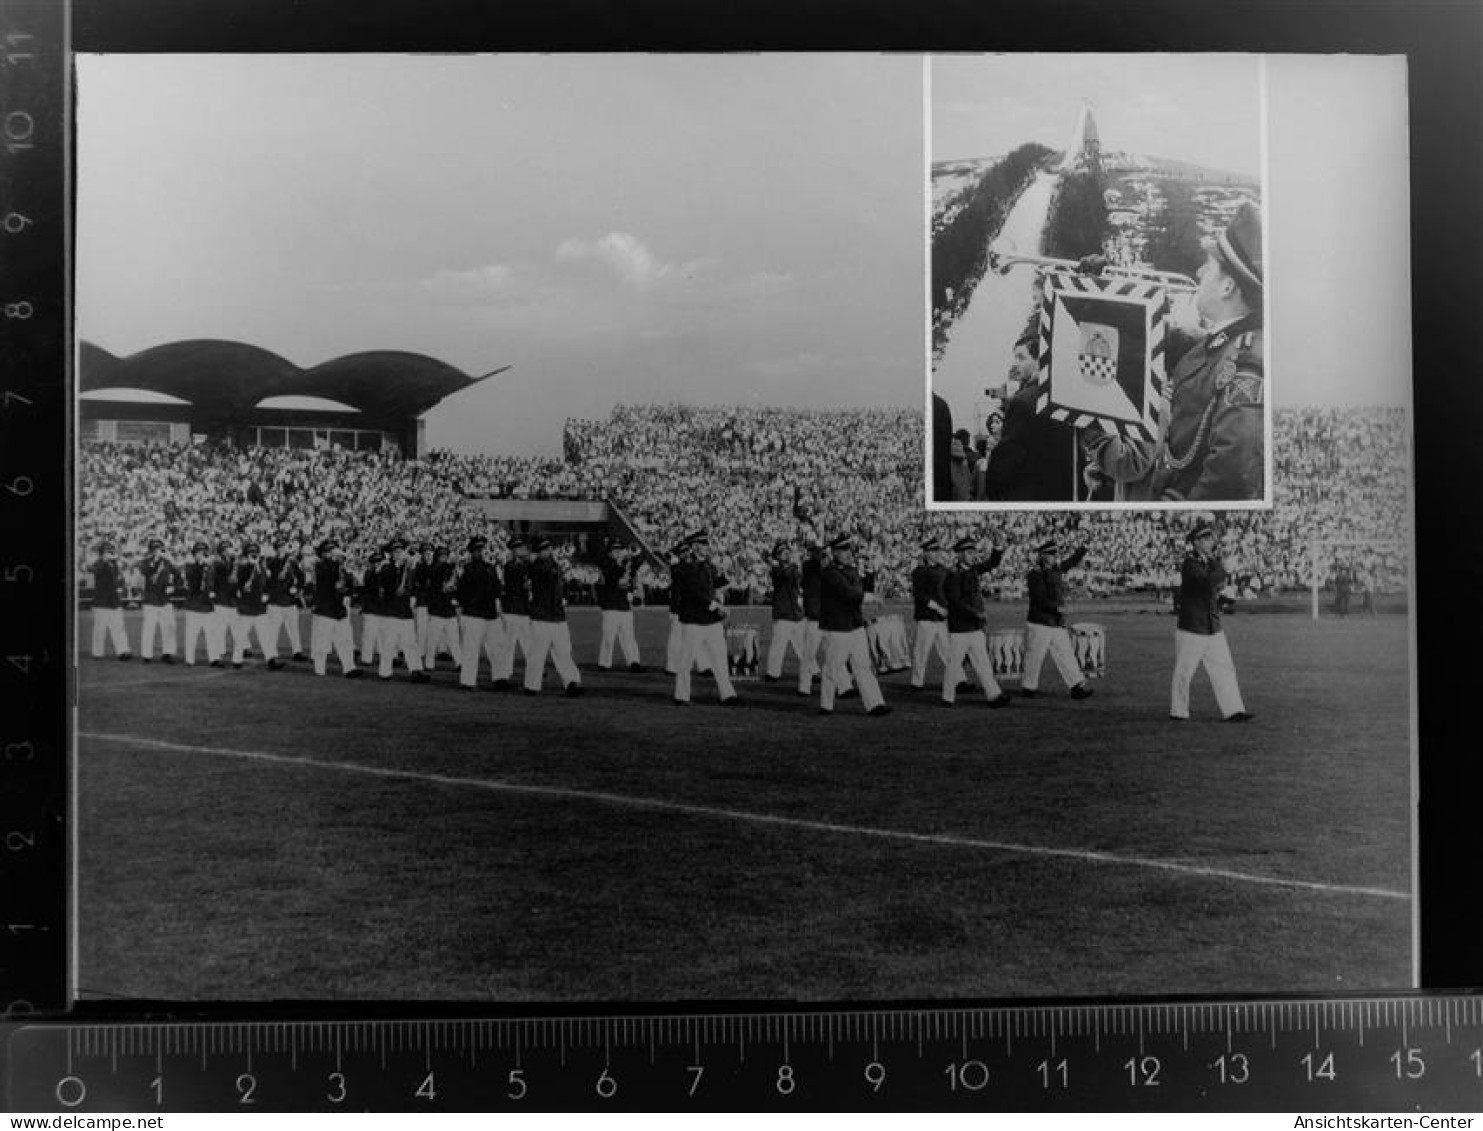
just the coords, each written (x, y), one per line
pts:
(753, 476)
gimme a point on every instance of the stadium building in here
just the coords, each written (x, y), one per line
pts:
(232, 392)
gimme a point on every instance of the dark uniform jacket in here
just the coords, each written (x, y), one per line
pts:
(1048, 591)
(517, 587)
(547, 596)
(105, 584)
(1035, 460)
(479, 591)
(1213, 446)
(160, 576)
(198, 578)
(965, 601)
(787, 592)
(693, 588)
(1200, 581)
(439, 599)
(284, 576)
(422, 578)
(841, 596)
(811, 571)
(252, 589)
(396, 582)
(616, 584)
(330, 585)
(223, 582)
(926, 585)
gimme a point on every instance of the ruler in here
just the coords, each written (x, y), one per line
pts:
(1384, 1053)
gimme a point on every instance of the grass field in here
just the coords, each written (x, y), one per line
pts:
(256, 834)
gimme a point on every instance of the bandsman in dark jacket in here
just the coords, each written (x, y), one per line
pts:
(224, 597)
(694, 586)
(476, 586)
(421, 593)
(966, 619)
(615, 598)
(788, 625)
(252, 603)
(442, 612)
(200, 616)
(514, 617)
(331, 625)
(929, 610)
(842, 625)
(108, 613)
(1045, 630)
(372, 607)
(1199, 639)
(161, 579)
(549, 633)
(398, 626)
(285, 593)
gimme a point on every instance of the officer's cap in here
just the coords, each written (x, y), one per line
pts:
(516, 543)
(843, 542)
(779, 549)
(701, 537)
(105, 547)
(250, 548)
(200, 548)
(1049, 546)
(477, 542)
(156, 544)
(967, 542)
(1200, 529)
(326, 546)
(1239, 247)
(930, 545)
(542, 544)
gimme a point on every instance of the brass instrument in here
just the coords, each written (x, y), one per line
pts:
(1000, 263)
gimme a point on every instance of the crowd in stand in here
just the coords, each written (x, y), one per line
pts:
(754, 476)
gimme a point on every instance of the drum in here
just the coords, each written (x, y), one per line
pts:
(1007, 652)
(1089, 641)
(741, 652)
(887, 636)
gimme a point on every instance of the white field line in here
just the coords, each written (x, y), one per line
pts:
(943, 840)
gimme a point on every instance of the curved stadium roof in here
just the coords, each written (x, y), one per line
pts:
(232, 377)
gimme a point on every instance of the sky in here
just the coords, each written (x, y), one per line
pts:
(724, 229)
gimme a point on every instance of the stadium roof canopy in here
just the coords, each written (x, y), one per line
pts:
(233, 377)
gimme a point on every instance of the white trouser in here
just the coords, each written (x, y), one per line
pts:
(887, 640)
(370, 635)
(163, 618)
(279, 618)
(478, 636)
(245, 628)
(512, 629)
(787, 634)
(1190, 651)
(420, 616)
(617, 625)
(554, 637)
(975, 648)
(440, 630)
(813, 638)
(109, 623)
(703, 646)
(197, 625)
(676, 644)
(398, 634)
(1043, 638)
(228, 623)
(332, 632)
(844, 653)
(930, 634)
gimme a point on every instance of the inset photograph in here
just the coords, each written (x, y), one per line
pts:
(1098, 282)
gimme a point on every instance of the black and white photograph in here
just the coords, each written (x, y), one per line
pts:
(512, 565)
(1099, 282)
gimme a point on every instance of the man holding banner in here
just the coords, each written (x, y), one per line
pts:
(1036, 458)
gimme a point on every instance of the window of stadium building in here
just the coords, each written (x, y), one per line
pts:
(143, 432)
(345, 439)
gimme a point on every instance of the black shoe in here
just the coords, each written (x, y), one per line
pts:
(963, 688)
(466, 687)
(879, 710)
(1001, 700)
(126, 655)
(218, 663)
(769, 679)
(734, 701)
(574, 691)
(1179, 718)
(916, 687)
(420, 677)
(145, 660)
(670, 671)
(600, 668)
(824, 711)
(804, 694)
(274, 664)
(500, 685)
(355, 673)
(680, 702)
(946, 703)
(1082, 690)
(1239, 717)
(300, 656)
(848, 693)
(398, 663)
(1029, 693)
(635, 668)
(167, 659)
(237, 665)
(384, 678)
(528, 691)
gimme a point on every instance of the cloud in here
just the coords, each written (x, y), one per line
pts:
(476, 283)
(625, 255)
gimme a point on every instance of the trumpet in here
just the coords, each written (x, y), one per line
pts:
(455, 575)
(404, 586)
(1000, 263)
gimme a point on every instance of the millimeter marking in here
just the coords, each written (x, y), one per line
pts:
(941, 840)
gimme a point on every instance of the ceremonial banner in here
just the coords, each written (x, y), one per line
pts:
(1102, 354)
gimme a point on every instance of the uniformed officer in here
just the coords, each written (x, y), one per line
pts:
(1212, 445)
(398, 627)
(788, 625)
(224, 597)
(513, 629)
(842, 625)
(549, 633)
(200, 618)
(285, 587)
(108, 613)
(372, 607)
(812, 573)
(442, 614)
(252, 603)
(160, 580)
(1045, 629)
(675, 642)
(615, 598)
(421, 592)
(477, 588)
(331, 605)
(966, 619)
(929, 610)
(694, 585)
(1199, 639)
